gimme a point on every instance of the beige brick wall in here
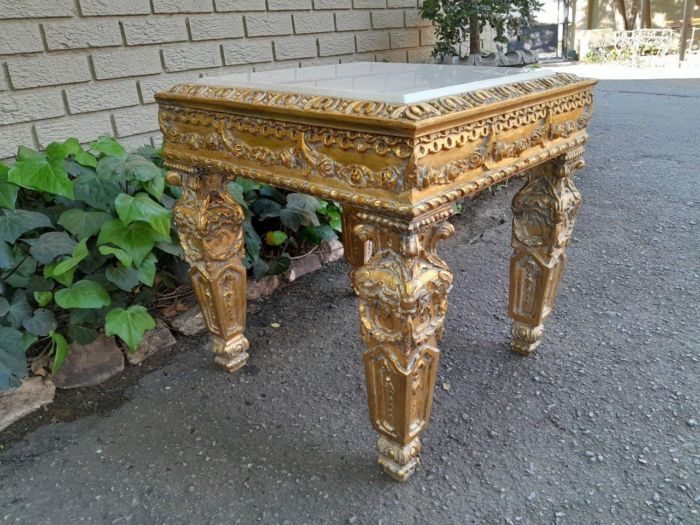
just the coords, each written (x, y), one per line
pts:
(89, 67)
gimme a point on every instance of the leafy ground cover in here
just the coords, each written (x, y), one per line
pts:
(87, 246)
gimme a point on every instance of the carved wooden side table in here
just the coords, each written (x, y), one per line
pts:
(396, 145)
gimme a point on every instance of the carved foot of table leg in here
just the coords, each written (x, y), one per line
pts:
(544, 211)
(403, 302)
(524, 338)
(231, 355)
(210, 226)
(398, 462)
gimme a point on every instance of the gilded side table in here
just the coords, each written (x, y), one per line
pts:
(396, 145)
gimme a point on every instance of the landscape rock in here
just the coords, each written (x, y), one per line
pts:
(159, 338)
(190, 322)
(263, 287)
(331, 251)
(302, 266)
(18, 402)
(91, 364)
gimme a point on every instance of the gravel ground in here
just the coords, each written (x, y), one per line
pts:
(600, 426)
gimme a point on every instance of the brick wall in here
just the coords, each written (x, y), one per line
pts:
(89, 67)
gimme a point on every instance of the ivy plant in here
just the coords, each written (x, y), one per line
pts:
(86, 245)
(281, 225)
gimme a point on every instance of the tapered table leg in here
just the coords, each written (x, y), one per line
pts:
(209, 223)
(543, 220)
(403, 301)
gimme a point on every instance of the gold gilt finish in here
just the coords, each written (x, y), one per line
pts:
(396, 169)
(543, 219)
(210, 226)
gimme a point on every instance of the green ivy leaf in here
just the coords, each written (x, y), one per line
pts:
(15, 223)
(247, 184)
(129, 324)
(300, 210)
(235, 191)
(325, 232)
(99, 192)
(44, 173)
(266, 208)
(82, 335)
(137, 239)
(275, 238)
(253, 243)
(43, 298)
(86, 317)
(142, 208)
(83, 294)
(81, 156)
(108, 146)
(171, 248)
(125, 278)
(156, 187)
(147, 271)
(37, 283)
(333, 214)
(120, 254)
(7, 256)
(60, 351)
(42, 323)
(138, 168)
(25, 153)
(309, 234)
(19, 309)
(260, 268)
(292, 218)
(13, 362)
(8, 191)
(273, 193)
(56, 151)
(50, 245)
(301, 201)
(4, 306)
(279, 265)
(28, 340)
(131, 168)
(64, 270)
(337, 224)
(22, 276)
(83, 224)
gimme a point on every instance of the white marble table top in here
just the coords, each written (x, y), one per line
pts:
(379, 81)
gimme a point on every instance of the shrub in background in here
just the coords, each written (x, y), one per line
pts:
(86, 245)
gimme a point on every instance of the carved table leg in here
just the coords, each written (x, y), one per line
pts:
(356, 251)
(210, 226)
(543, 220)
(403, 301)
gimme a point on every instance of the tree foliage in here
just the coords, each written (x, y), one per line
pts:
(455, 20)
